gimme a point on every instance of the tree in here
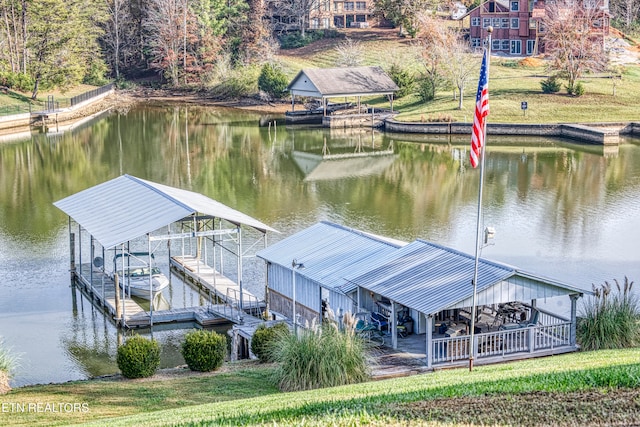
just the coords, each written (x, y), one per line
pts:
(350, 53)
(446, 53)
(116, 31)
(62, 41)
(404, 14)
(295, 12)
(572, 40)
(625, 11)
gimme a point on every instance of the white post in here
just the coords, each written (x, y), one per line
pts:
(394, 326)
(572, 336)
(429, 335)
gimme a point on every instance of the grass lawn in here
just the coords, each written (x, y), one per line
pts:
(509, 85)
(588, 388)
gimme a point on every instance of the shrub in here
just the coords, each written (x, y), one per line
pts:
(138, 357)
(7, 364)
(17, 81)
(272, 80)
(319, 357)
(404, 79)
(242, 82)
(610, 320)
(576, 90)
(551, 85)
(426, 90)
(263, 339)
(204, 351)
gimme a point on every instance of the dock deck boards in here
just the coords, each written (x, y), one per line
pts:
(100, 289)
(225, 289)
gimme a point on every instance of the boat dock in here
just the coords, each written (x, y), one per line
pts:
(219, 287)
(99, 288)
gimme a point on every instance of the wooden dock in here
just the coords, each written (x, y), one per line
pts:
(220, 287)
(99, 288)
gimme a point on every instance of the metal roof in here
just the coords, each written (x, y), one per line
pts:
(127, 207)
(329, 252)
(430, 278)
(335, 82)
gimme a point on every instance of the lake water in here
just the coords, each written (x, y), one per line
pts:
(560, 209)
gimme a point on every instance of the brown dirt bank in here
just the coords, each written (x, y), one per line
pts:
(203, 99)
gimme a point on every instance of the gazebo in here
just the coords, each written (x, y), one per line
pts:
(332, 83)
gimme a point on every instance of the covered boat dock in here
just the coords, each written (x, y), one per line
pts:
(351, 83)
(154, 216)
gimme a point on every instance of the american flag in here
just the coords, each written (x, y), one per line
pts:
(482, 110)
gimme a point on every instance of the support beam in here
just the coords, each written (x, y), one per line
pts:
(429, 336)
(572, 333)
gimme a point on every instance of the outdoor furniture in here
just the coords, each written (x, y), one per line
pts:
(380, 320)
(533, 321)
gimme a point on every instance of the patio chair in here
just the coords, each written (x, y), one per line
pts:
(532, 321)
(380, 320)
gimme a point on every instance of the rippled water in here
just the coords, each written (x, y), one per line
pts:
(562, 210)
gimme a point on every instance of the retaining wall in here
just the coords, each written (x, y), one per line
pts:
(607, 135)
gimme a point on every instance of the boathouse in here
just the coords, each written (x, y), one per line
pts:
(124, 222)
(419, 291)
(348, 85)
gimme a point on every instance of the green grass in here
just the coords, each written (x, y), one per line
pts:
(244, 395)
(509, 85)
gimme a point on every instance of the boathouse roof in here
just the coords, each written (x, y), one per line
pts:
(127, 207)
(420, 275)
(429, 277)
(335, 82)
(329, 252)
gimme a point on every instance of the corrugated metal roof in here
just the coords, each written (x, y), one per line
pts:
(127, 207)
(329, 252)
(430, 278)
(334, 82)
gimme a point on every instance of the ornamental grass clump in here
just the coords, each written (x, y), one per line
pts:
(610, 320)
(204, 351)
(321, 356)
(138, 357)
(8, 363)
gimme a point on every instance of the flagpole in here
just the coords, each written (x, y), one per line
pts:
(472, 347)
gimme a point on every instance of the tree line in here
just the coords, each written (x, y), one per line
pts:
(61, 43)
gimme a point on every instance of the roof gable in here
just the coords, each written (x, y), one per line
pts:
(333, 82)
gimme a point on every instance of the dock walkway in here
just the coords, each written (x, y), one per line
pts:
(225, 290)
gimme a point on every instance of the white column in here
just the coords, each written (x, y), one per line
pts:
(429, 346)
(574, 301)
(394, 326)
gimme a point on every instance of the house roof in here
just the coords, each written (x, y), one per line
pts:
(335, 82)
(127, 207)
(329, 252)
(420, 275)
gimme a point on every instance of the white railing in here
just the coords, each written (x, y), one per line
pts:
(552, 336)
(546, 318)
(502, 343)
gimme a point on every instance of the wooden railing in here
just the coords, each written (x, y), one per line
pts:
(502, 343)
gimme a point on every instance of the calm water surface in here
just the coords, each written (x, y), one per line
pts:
(562, 210)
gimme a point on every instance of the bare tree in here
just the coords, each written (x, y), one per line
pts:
(12, 38)
(446, 52)
(573, 38)
(626, 11)
(350, 53)
(164, 25)
(116, 31)
(296, 12)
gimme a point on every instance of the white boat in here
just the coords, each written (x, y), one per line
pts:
(136, 277)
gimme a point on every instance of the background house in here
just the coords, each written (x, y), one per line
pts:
(518, 25)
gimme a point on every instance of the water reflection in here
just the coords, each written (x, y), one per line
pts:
(560, 209)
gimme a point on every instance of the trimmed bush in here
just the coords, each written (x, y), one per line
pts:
(610, 320)
(272, 81)
(320, 357)
(551, 85)
(264, 338)
(204, 351)
(138, 357)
